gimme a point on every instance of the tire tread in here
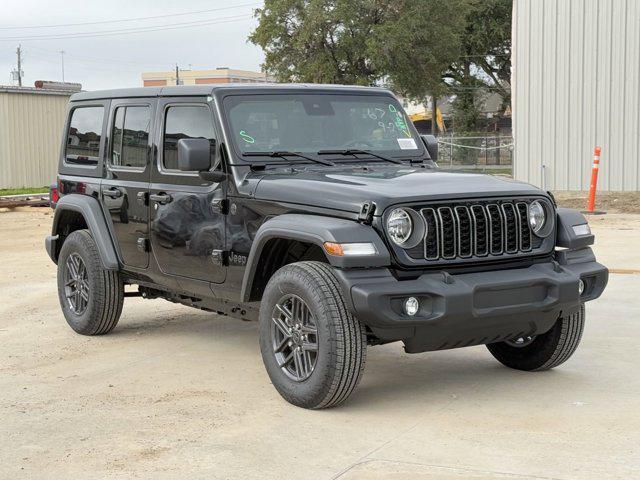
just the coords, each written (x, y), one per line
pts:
(548, 350)
(108, 297)
(347, 335)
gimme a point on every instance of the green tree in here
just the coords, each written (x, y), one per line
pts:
(319, 41)
(485, 60)
(418, 43)
(421, 48)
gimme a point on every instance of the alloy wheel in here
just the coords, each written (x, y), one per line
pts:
(76, 284)
(294, 337)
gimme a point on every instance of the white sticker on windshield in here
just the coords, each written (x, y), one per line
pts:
(407, 144)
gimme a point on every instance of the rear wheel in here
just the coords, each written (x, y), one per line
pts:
(312, 347)
(91, 297)
(542, 352)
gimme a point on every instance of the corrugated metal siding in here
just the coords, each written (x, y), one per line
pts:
(576, 84)
(30, 136)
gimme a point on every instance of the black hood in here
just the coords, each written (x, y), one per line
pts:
(347, 188)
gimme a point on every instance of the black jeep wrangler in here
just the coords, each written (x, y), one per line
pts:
(319, 211)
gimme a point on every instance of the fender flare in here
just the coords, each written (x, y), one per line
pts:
(316, 230)
(566, 237)
(92, 213)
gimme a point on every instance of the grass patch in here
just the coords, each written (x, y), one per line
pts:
(23, 191)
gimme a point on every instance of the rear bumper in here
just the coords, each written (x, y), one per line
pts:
(50, 245)
(473, 308)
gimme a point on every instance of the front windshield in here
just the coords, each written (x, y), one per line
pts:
(312, 123)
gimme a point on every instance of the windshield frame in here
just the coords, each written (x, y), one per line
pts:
(409, 154)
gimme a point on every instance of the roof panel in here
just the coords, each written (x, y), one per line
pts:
(195, 90)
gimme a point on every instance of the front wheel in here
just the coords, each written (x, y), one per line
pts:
(312, 347)
(545, 351)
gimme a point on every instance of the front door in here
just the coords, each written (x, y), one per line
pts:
(187, 222)
(125, 187)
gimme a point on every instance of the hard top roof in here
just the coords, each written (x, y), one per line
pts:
(202, 90)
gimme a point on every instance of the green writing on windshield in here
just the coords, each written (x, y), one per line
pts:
(399, 121)
(401, 124)
(246, 137)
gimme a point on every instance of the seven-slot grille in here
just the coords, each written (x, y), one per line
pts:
(476, 230)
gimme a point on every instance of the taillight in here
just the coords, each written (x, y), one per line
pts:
(54, 195)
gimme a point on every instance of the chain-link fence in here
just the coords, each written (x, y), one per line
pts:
(477, 151)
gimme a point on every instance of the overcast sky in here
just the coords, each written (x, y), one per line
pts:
(113, 61)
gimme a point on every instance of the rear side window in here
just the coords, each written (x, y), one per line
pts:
(188, 121)
(83, 137)
(130, 136)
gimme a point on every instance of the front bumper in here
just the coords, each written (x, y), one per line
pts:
(473, 308)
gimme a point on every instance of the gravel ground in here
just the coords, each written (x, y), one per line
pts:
(610, 202)
(176, 393)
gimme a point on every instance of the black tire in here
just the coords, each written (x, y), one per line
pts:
(545, 351)
(341, 339)
(105, 296)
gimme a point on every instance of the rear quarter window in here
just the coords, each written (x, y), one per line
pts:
(84, 135)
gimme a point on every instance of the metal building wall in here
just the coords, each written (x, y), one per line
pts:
(30, 136)
(576, 84)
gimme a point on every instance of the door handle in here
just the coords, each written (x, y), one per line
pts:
(112, 192)
(161, 198)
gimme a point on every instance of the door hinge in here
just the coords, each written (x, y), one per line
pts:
(142, 244)
(366, 213)
(219, 257)
(220, 205)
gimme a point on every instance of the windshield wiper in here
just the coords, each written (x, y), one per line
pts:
(356, 151)
(285, 154)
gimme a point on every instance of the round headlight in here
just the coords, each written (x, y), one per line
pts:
(399, 226)
(537, 216)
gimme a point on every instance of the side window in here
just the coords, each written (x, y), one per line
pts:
(130, 137)
(83, 137)
(188, 121)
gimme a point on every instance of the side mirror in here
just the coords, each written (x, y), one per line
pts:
(194, 154)
(431, 143)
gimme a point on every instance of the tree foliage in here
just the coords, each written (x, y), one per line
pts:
(418, 42)
(319, 41)
(485, 60)
(420, 47)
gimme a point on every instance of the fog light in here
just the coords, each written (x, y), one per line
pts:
(580, 287)
(411, 306)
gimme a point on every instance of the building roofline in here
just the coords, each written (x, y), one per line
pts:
(34, 90)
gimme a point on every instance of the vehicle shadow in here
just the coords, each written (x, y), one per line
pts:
(391, 375)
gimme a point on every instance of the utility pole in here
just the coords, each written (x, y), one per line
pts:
(62, 58)
(19, 54)
(177, 75)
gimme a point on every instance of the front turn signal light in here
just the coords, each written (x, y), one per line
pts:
(349, 249)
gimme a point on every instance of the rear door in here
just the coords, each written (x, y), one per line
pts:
(125, 188)
(187, 218)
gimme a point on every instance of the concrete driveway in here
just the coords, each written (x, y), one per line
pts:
(177, 393)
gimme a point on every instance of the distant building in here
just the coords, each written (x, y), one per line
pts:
(31, 125)
(576, 84)
(200, 77)
(493, 117)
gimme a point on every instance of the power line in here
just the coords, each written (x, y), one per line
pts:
(99, 60)
(93, 66)
(125, 31)
(132, 19)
